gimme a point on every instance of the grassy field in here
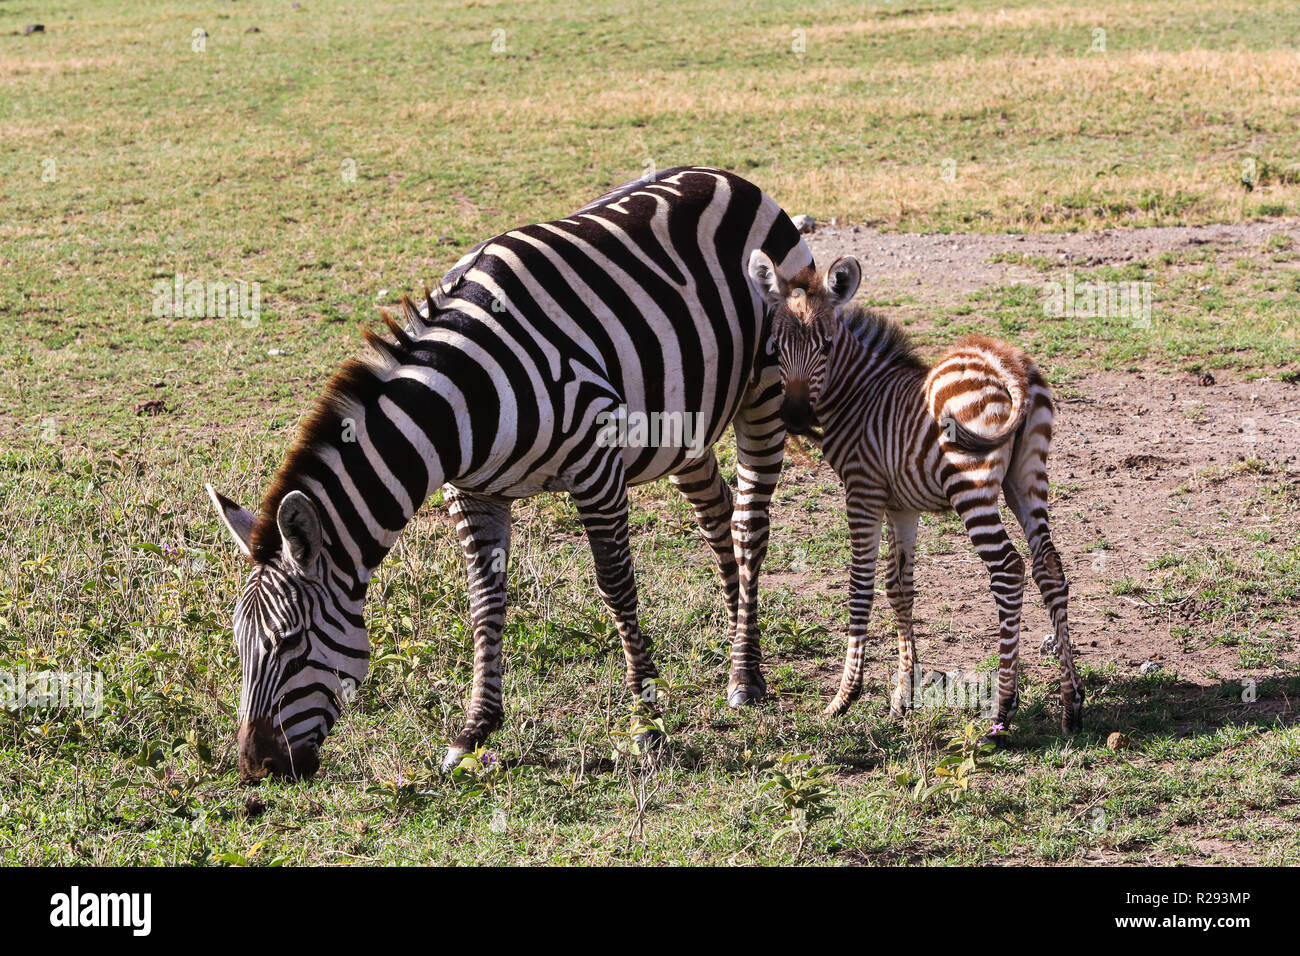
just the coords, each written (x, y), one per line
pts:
(341, 153)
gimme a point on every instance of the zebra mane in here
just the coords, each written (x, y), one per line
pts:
(356, 383)
(880, 335)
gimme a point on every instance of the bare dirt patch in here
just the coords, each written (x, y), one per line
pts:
(946, 267)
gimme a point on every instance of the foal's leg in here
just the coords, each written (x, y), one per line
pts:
(1029, 503)
(702, 485)
(902, 594)
(483, 524)
(977, 505)
(865, 506)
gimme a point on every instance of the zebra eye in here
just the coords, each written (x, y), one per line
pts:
(292, 639)
(826, 347)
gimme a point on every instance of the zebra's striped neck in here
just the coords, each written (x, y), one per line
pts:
(386, 433)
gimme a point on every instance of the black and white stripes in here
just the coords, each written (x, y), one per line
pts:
(637, 304)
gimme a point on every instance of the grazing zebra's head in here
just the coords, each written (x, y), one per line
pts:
(805, 320)
(302, 642)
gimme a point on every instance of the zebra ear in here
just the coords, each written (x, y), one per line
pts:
(238, 521)
(763, 274)
(843, 278)
(300, 529)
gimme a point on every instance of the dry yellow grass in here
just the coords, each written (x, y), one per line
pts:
(18, 67)
(1118, 107)
(978, 117)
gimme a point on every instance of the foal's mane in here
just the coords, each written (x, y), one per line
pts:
(881, 335)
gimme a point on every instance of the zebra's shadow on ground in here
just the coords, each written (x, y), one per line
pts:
(1162, 706)
(1155, 708)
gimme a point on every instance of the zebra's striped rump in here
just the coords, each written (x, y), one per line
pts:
(906, 438)
(977, 393)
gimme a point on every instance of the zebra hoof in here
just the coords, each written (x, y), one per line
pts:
(898, 707)
(743, 696)
(834, 709)
(453, 758)
(648, 741)
(1072, 717)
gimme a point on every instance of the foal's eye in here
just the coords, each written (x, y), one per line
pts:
(826, 347)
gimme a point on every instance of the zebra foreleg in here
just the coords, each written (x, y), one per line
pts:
(710, 497)
(602, 508)
(902, 595)
(760, 452)
(865, 511)
(483, 525)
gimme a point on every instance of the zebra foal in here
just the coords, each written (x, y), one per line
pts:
(907, 438)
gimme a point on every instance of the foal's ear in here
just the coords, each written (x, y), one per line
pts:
(763, 274)
(842, 279)
(300, 529)
(238, 521)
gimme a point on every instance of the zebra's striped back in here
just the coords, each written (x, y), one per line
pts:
(502, 384)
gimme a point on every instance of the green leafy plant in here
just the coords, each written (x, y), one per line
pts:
(480, 773)
(799, 794)
(965, 757)
(795, 635)
(645, 731)
(257, 854)
(404, 793)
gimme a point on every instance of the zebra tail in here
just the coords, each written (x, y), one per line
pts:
(978, 392)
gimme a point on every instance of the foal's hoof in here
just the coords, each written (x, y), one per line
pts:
(835, 708)
(1072, 717)
(453, 758)
(898, 706)
(744, 695)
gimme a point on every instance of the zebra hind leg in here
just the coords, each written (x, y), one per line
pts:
(602, 509)
(710, 497)
(1029, 503)
(979, 513)
(483, 525)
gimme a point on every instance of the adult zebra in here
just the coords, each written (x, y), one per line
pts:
(503, 385)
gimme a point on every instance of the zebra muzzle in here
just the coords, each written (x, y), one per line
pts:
(263, 751)
(797, 412)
